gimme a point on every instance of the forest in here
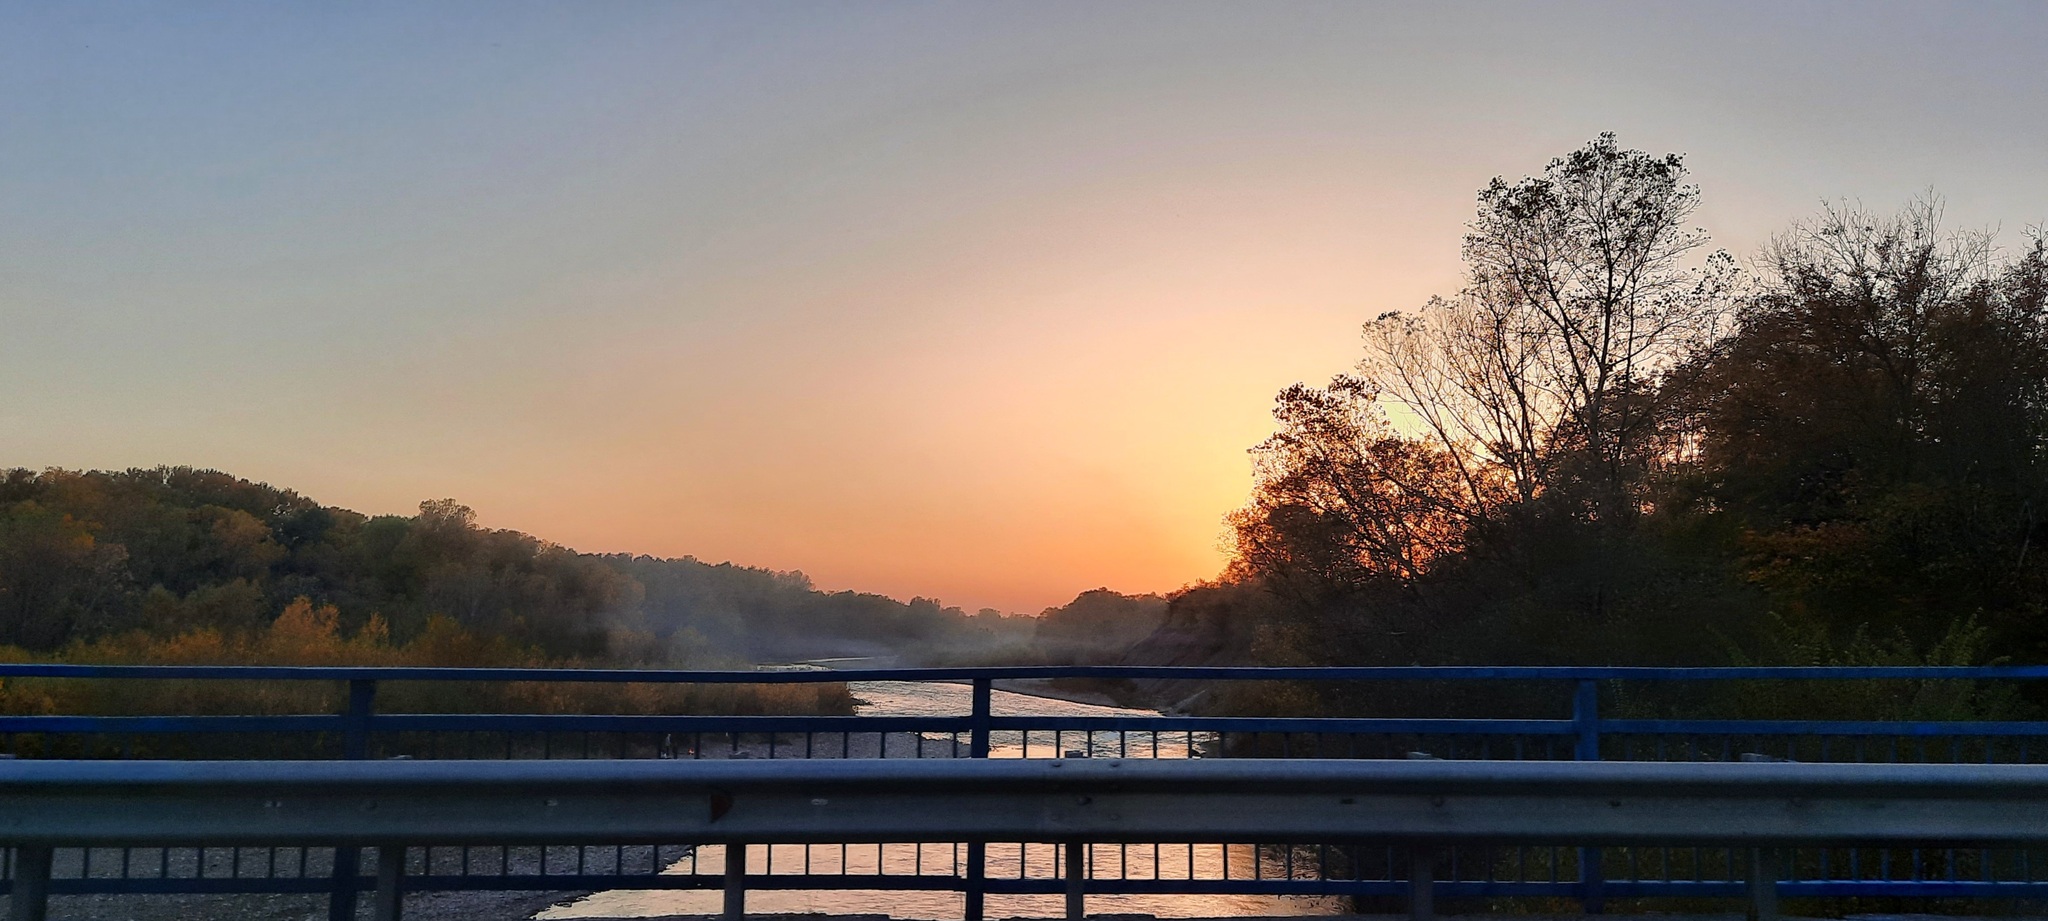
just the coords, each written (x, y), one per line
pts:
(1613, 445)
(178, 564)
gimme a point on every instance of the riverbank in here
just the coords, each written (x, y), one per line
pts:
(1044, 688)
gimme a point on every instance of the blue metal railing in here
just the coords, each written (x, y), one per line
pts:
(1579, 731)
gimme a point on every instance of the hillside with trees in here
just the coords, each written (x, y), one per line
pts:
(115, 565)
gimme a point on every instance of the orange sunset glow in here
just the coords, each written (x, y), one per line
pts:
(984, 303)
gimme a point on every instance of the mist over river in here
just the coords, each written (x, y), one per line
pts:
(1165, 861)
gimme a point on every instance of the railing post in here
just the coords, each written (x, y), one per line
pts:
(1077, 880)
(735, 882)
(355, 746)
(355, 733)
(390, 882)
(1763, 884)
(30, 899)
(1586, 722)
(1421, 883)
(978, 719)
(974, 886)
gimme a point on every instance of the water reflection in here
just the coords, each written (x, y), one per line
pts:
(1012, 861)
(897, 698)
(1007, 861)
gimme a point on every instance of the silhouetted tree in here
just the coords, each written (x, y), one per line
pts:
(1341, 499)
(1542, 372)
(1877, 428)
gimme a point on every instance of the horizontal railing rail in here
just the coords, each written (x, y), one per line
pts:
(1572, 727)
(1419, 807)
(1000, 673)
(110, 803)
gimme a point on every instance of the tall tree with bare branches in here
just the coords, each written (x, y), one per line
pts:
(1579, 295)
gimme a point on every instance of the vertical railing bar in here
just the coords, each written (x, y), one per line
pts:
(735, 882)
(1586, 728)
(1076, 879)
(1763, 884)
(390, 897)
(1421, 883)
(362, 701)
(981, 712)
(29, 900)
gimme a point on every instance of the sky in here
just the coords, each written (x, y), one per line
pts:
(975, 301)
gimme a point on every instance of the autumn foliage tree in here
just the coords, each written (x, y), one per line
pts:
(1343, 499)
(1611, 446)
(1524, 412)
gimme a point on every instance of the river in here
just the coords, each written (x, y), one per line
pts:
(1166, 861)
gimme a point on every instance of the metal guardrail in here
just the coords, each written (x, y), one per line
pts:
(1590, 872)
(1420, 807)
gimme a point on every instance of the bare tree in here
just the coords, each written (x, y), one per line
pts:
(1577, 299)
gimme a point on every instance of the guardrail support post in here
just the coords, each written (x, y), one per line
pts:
(1763, 884)
(30, 900)
(974, 886)
(1077, 879)
(735, 882)
(978, 718)
(1586, 722)
(355, 734)
(1421, 883)
(355, 746)
(390, 882)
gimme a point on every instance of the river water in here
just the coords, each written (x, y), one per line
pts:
(1165, 861)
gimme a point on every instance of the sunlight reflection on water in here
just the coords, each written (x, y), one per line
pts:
(1166, 861)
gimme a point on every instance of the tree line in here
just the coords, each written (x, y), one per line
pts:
(136, 563)
(1615, 446)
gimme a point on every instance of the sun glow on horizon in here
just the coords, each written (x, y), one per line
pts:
(977, 302)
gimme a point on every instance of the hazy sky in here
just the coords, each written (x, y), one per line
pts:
(975, 301)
